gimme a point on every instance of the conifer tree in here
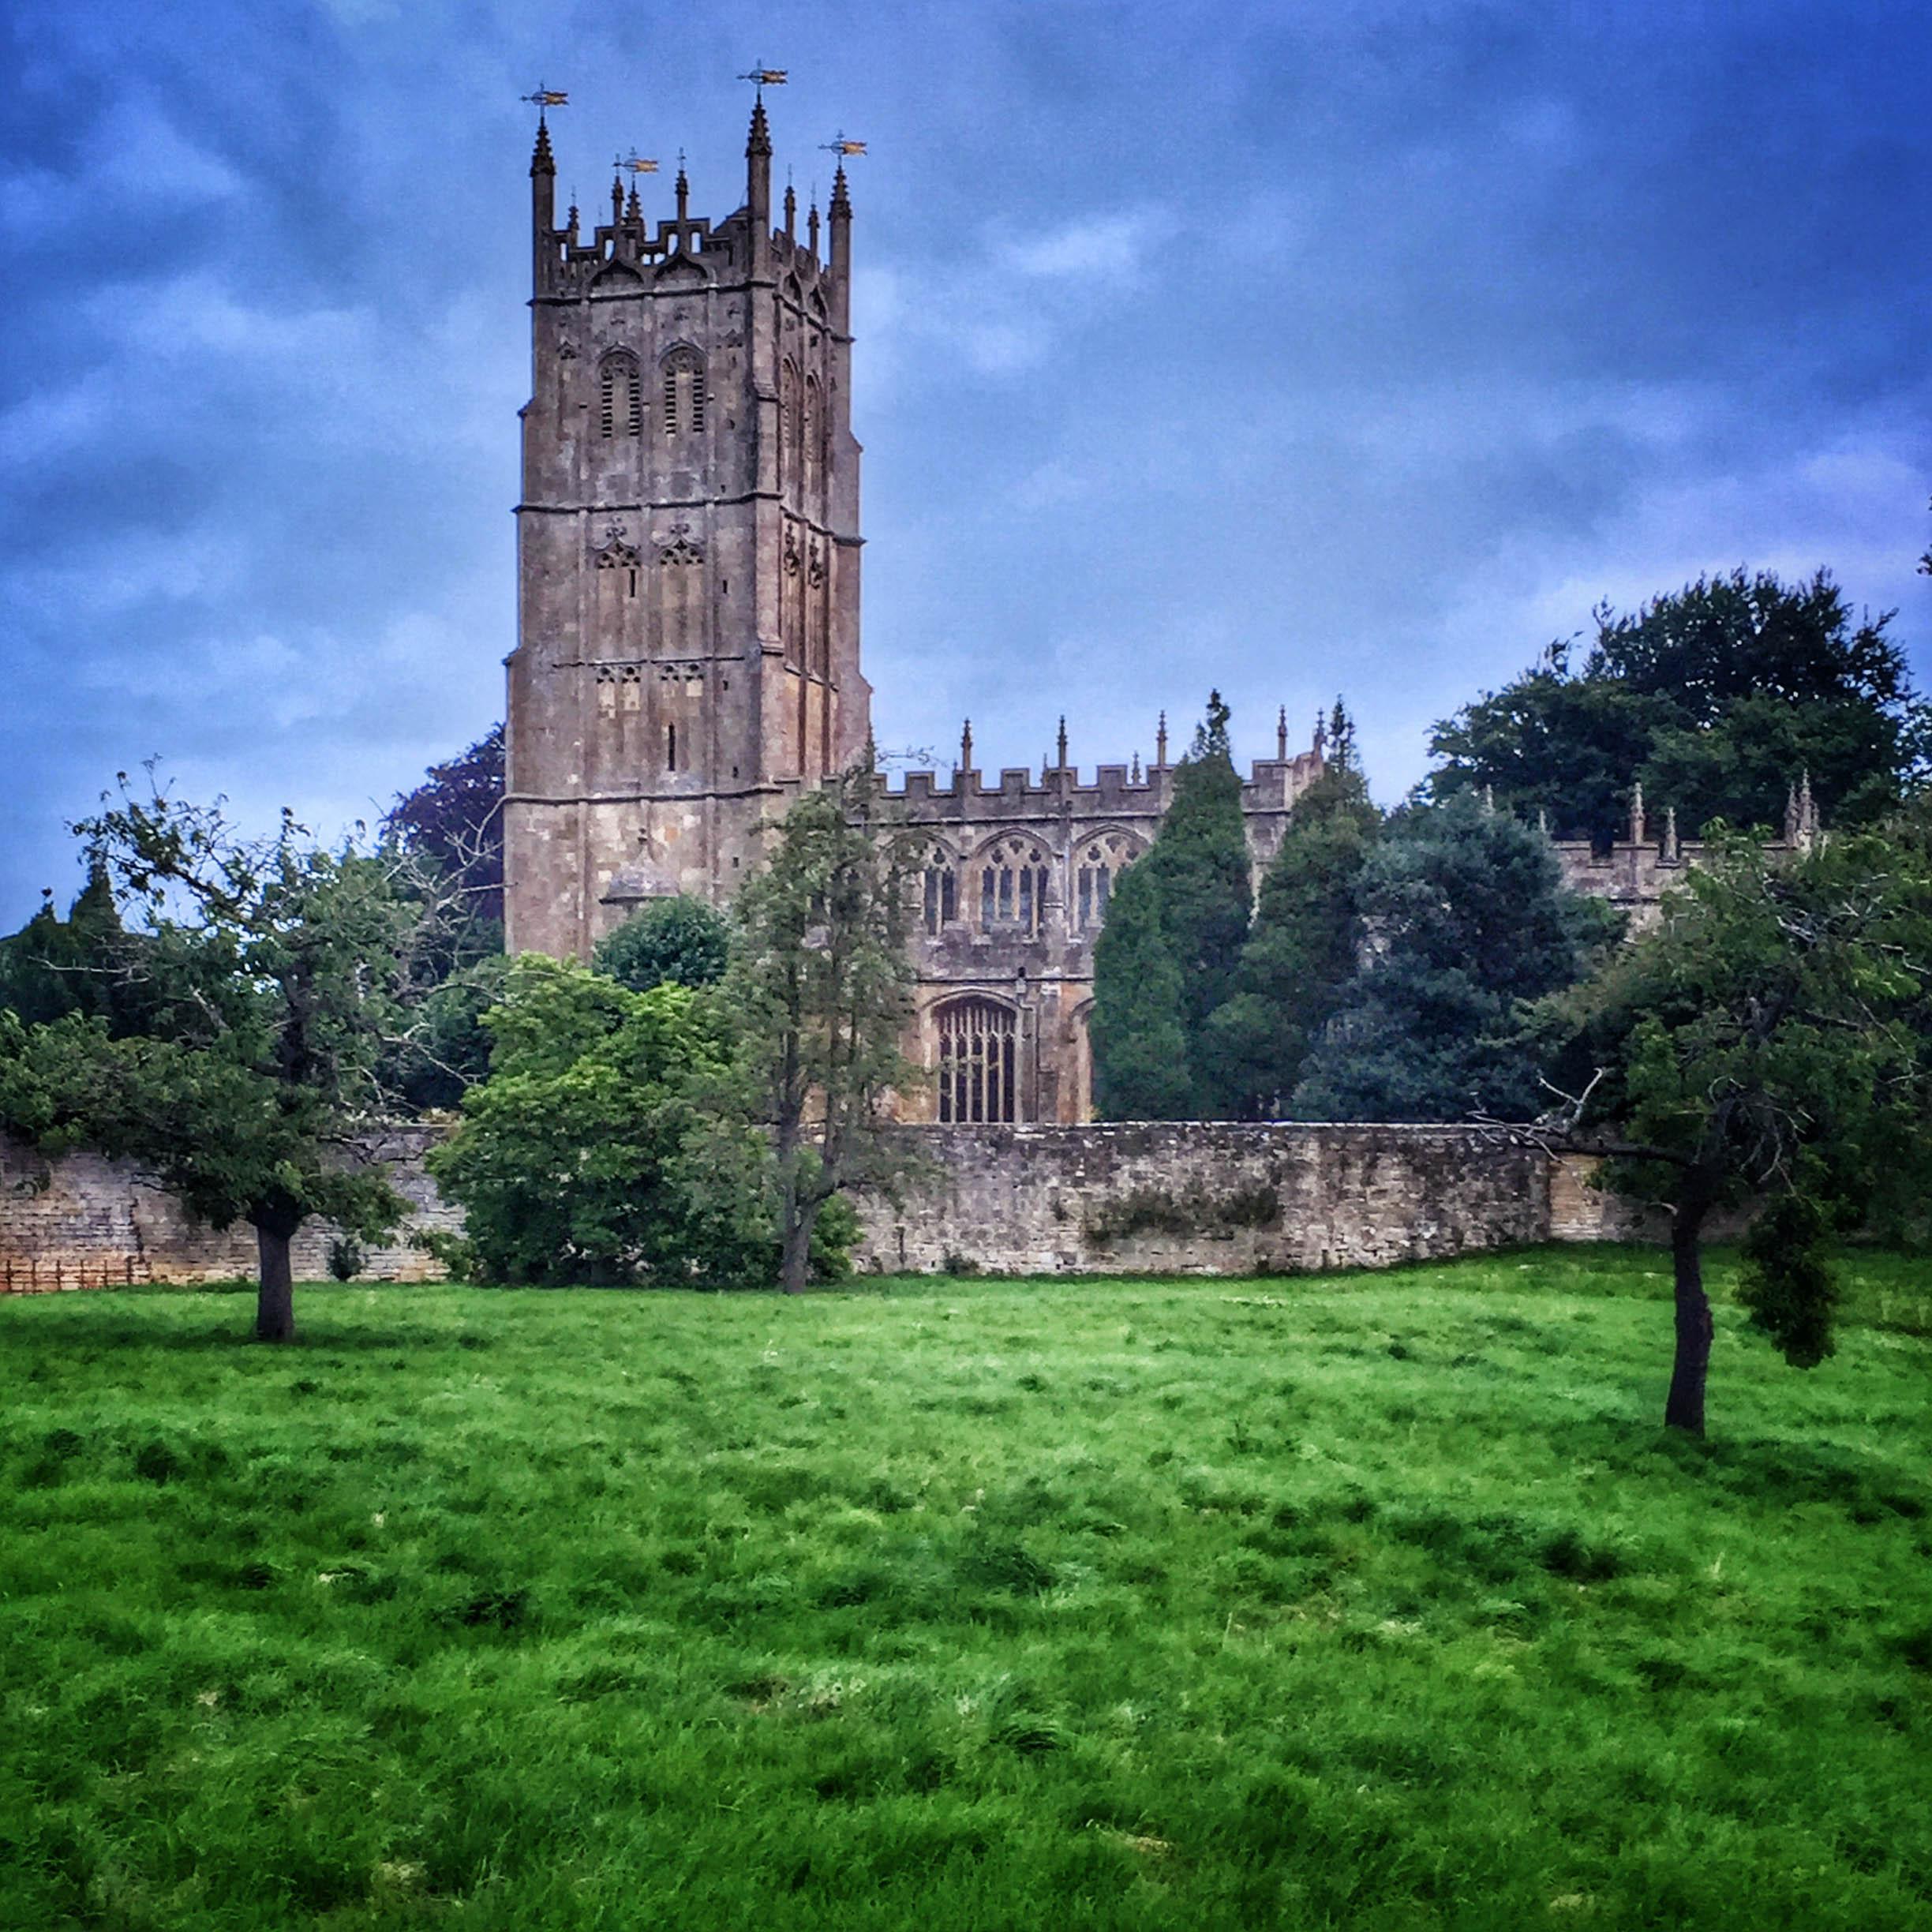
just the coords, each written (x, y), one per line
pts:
(1468, 921)
(1139, 1051)
(1196, 880)
(1307, 936)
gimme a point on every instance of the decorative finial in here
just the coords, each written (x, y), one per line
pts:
(683, 192)
(1062, 763)
(617, 192)
(841, 199)
(966, 745)
(1542, 820)
(759, 142)
(1673, 852)
(1637, 814)
(542, 162)
(811, 226)
(633, 208)
(1489, 801)
(1133, 777)
(1160, 744)
(791, 210)
(1281, 735)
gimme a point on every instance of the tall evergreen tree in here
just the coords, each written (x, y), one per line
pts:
(1196, 880)
(1139, 1051)
(1467, 919)
(1306, 940)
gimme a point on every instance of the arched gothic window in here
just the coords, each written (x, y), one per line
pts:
(1013, 875)
(620, 399)
(683, 372)
(978, 1061)
(942, 890)
(1099, 864)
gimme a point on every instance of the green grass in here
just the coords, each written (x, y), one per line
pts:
(1376, 1601)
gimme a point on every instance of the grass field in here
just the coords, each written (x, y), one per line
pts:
(1377, 1601)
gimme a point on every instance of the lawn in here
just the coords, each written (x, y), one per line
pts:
(1376, 1601)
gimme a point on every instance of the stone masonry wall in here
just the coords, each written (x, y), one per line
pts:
(1213, 1199)
(82, 1221)
(1171, 1197)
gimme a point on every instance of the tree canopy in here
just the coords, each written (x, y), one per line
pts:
(1194, 886)
(1306, 940)
(276, 975)
(1768, 1038)
(1466, 920)
(1715, 698)
(679, 942)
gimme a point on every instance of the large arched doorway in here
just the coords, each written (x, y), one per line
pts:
(979, 1061)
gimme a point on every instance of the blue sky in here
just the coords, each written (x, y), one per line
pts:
(1294, 349)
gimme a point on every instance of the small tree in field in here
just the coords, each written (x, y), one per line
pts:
(1770, 1038)
(273, 975)
(821, 990)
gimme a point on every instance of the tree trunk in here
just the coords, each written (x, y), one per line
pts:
(795, 1259)
(1683, 1408)
(274, 1306)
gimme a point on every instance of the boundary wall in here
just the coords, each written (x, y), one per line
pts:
(1173, 1197)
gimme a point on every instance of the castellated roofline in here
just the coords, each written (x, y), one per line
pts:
(1273, 785)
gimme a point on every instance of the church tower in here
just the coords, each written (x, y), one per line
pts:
(687, 548)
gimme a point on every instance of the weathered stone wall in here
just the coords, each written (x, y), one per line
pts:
(82, 1221)
(1212, 1199)
(1168, 1198)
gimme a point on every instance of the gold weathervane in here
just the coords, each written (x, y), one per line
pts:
(546, 97)
(636, 163)
(839, 145)
(762, 77)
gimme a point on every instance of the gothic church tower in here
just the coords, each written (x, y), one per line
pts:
(688, 651)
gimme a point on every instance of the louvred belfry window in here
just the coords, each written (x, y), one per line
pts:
(620, 396)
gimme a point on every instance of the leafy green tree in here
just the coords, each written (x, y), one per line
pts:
(680, 940)
(274, 972)
(1714, 698)
(1769, 1037)
(820, 989)
(570, 1163)
(1307, 939)
(446, 1051)
(1467, 920)
(1196, 878)
(1140, 1052)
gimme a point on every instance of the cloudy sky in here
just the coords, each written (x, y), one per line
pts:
(1290, 345)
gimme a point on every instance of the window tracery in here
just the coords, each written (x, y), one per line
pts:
(979, 1061)
(941, 884)
(1014, 874)
(1099, 862)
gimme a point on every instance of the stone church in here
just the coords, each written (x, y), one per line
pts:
(688, 654)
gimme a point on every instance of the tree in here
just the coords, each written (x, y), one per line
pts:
(1715, 698)
(454, 819)
(570, 1163)
(276, 972)
(1769, 1037)
(1467, 920)
(820, 990)
(1306, 942)
(1140, 1052)
(1197, 879)
(85, 964)
(680, 940)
